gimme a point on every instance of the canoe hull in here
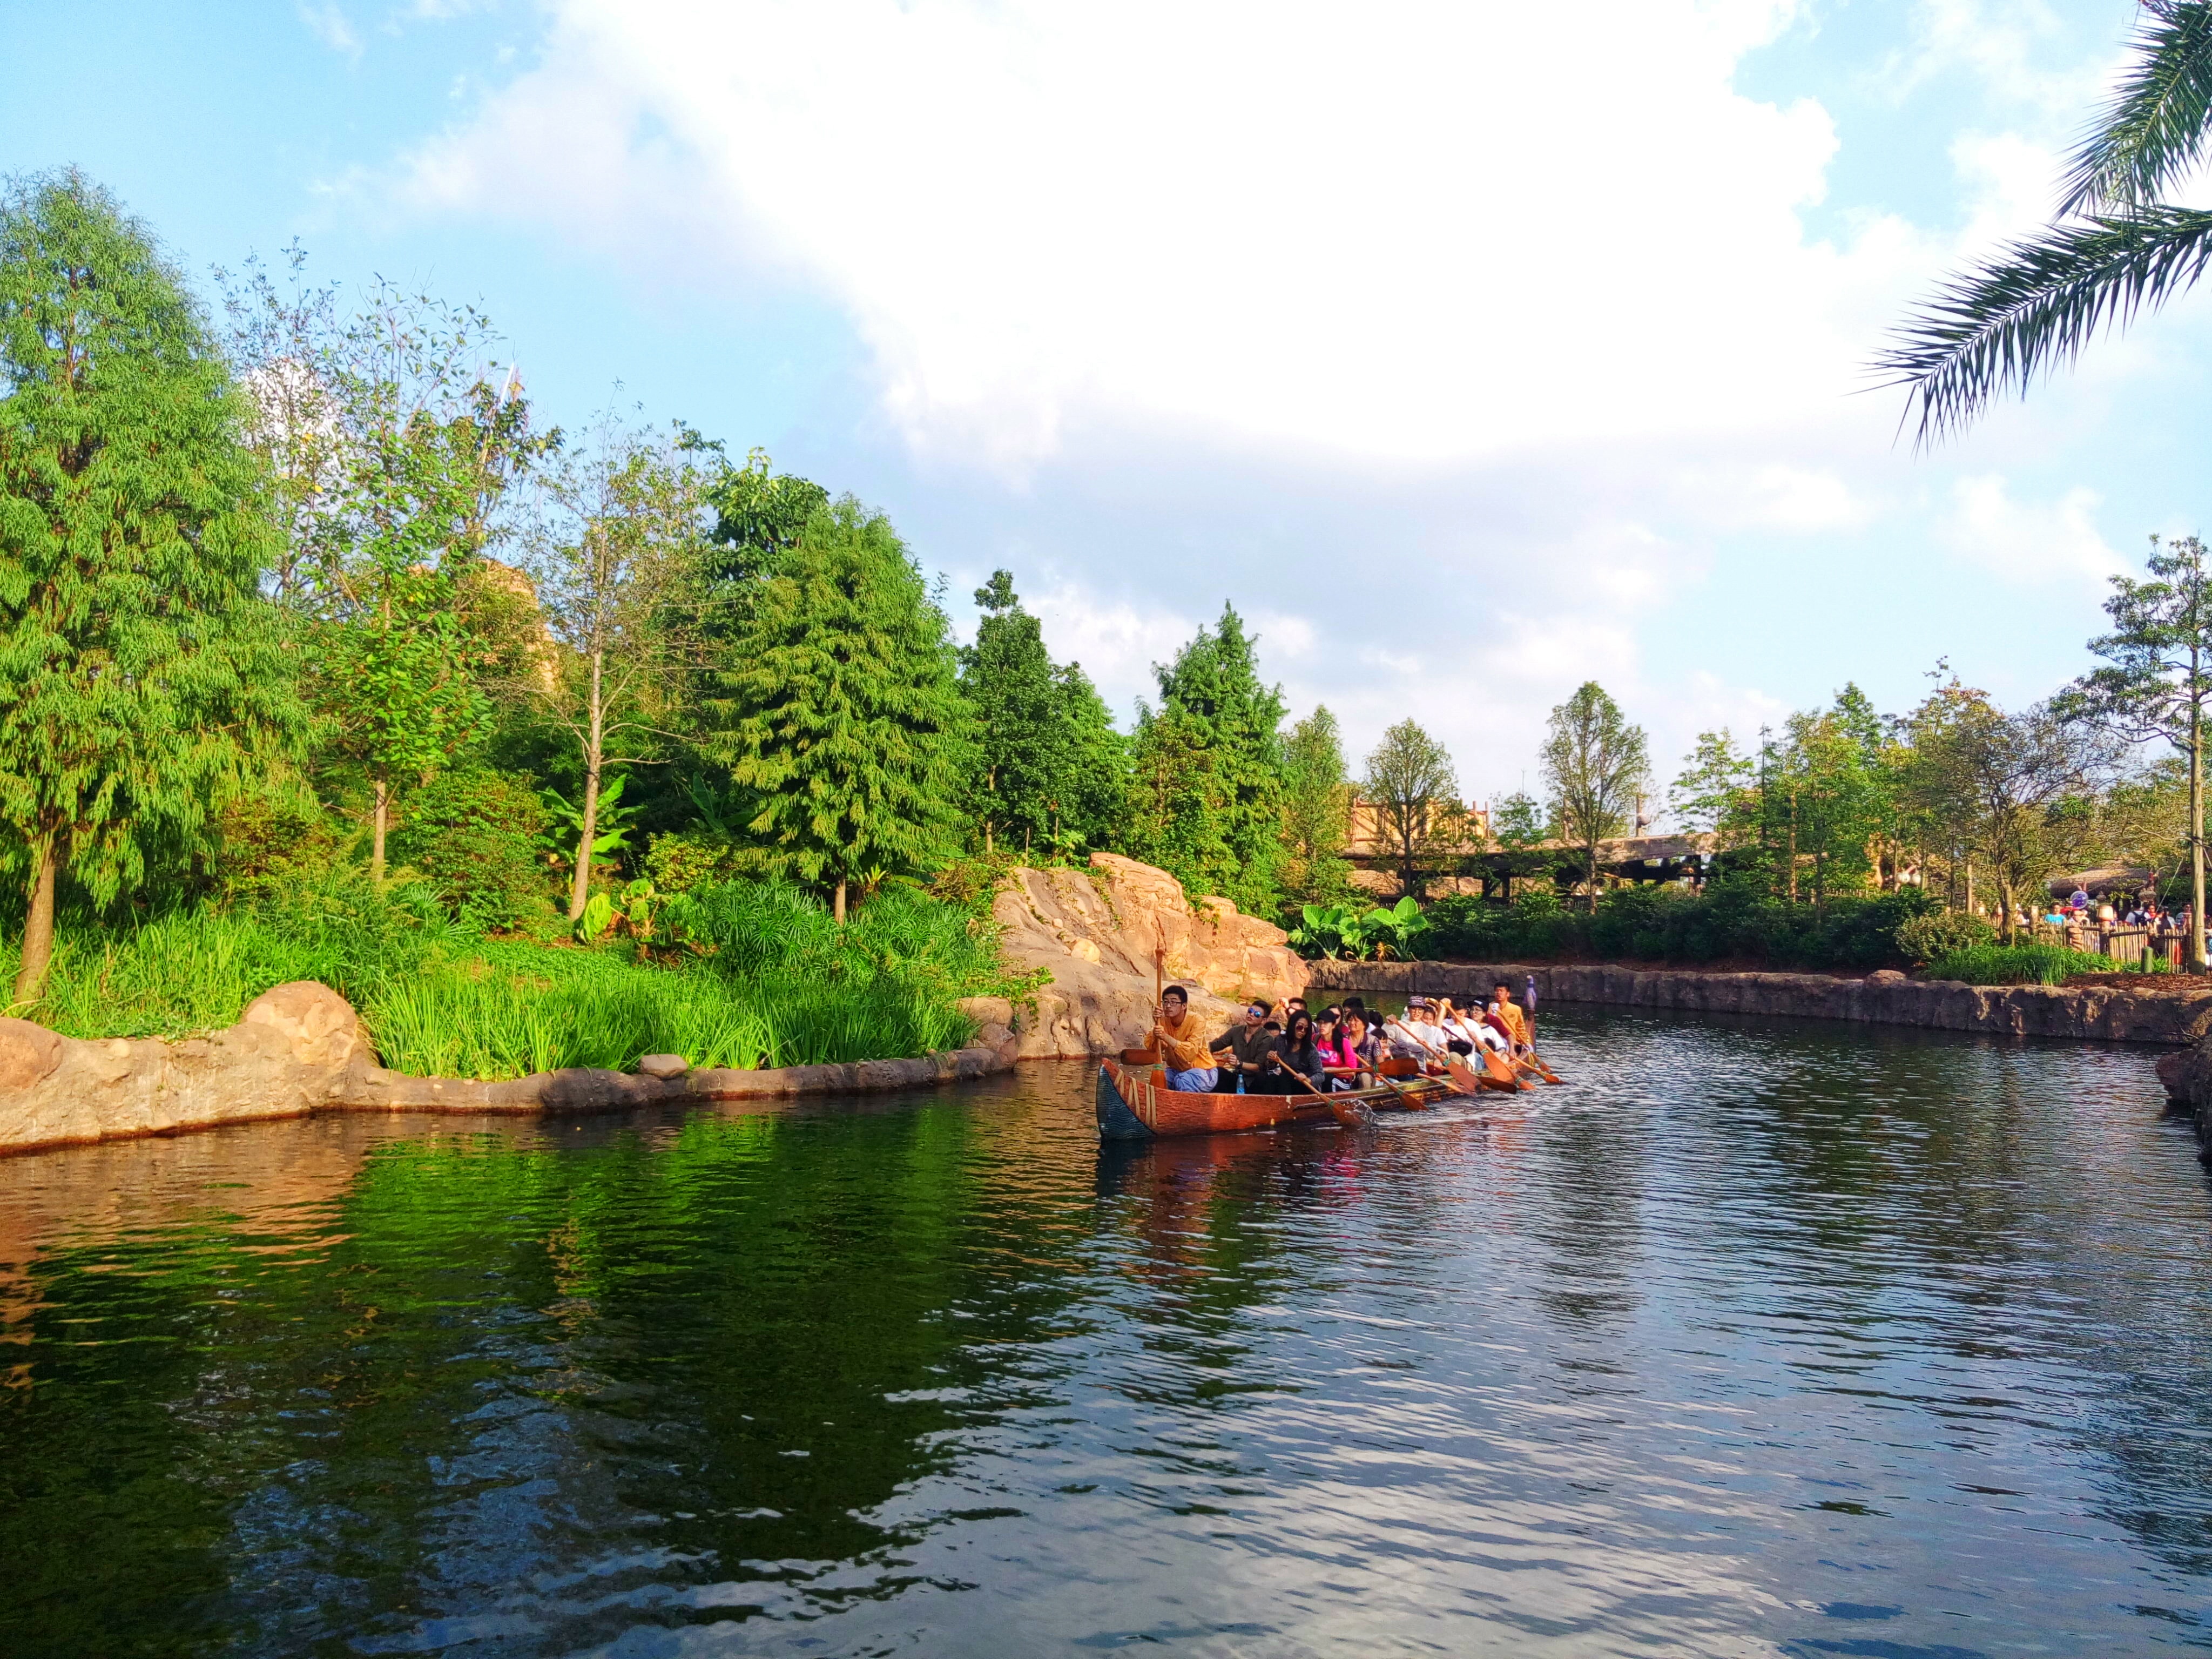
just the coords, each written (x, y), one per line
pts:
(1136, 1104)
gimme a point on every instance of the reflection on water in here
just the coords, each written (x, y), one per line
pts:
(1750, 1342)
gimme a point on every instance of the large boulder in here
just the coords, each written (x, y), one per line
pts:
(294, 1049)
(1097, 931)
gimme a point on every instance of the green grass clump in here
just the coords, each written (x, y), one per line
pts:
(773, 981)
(2017, 964)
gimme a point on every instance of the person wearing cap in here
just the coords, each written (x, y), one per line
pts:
(1249, 1044)
(1412, 1038)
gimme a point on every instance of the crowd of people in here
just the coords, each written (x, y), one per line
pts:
(1287, 1048)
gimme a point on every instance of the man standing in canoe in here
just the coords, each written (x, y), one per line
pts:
(1182, 1048)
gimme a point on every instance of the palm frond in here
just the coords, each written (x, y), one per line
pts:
(2038, 303)
(2156, 128)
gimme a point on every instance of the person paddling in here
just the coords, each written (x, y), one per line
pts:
(1183, 1051)
(1508, 1017)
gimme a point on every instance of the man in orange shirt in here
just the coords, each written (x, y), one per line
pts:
(1506, 1014)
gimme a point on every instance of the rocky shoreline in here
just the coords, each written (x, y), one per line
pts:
(300, 1049)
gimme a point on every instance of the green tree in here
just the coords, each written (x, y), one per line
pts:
(2116, 249)
(1316, 811)
(1213, 705)
(393, 449)
(143, 679)
(2157, 681)
(2021, 790)
(1714, 777)
(1411, 786)
(1093, 795)
(759, 516)
(621, 583)
(840, 705)
(1594, 764)
(1024, 733)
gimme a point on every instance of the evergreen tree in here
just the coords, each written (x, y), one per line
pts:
(144, 680)
(1316, 811)
(1024, 732)
(841, 709)
(1089, 809)
(1214, 706)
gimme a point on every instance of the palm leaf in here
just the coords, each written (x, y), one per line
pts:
(2154, 129)
(2038, 304)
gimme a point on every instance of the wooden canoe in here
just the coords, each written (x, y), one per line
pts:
(1135, 1104)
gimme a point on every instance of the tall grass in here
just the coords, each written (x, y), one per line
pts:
(778, 984)
(2017, 964)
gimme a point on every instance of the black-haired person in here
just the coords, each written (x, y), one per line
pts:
(1247, 1044)
(1300, 1053)
(1183, 1053)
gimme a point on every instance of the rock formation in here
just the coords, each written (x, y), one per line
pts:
(1096, 931)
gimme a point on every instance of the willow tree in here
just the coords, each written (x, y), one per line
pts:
(1596, 763)
(143, 679)
(837, 704)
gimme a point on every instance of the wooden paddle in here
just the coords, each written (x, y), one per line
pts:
(1352, 1114)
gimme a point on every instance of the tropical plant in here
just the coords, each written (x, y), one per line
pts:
(2115, 249)
(145, 681)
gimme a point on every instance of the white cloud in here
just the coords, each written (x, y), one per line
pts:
(329, 24)
(2058, 542)
(1274, 225)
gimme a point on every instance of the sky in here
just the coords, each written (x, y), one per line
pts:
(1471, 349)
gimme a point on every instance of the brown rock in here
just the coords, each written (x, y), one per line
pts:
(1095, 932)
(662, 1065)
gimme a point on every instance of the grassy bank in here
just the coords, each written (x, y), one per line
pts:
(771, 982)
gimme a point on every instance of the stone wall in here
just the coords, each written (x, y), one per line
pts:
(300, 1049)
(2093, 1012)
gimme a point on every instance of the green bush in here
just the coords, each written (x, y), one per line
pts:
(1655, 923)
(2017, 964)
(472, 834)
(1943, 934)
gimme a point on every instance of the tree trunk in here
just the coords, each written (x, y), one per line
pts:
(580, 890)
(1971, 910)
(2196, 838)
(837, 906)
(2009, 929)
(1590, 872)
(380, 819)
(1793, 849)
(39, 924)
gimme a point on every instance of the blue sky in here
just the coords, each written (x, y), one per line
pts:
(1470, 355)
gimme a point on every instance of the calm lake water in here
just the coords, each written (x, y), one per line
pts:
(1750, 1341)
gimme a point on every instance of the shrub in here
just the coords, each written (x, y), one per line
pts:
(2016, 964)
(472, 834)
(1941, 933)
(679, 863)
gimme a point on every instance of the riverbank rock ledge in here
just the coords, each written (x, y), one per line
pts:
(299, 1048)
(1097, 930)
(2096, 1012)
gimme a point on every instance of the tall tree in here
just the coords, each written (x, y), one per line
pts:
(1316, 810)
(394, 445)
(1411, 786)
(841, 708)
(617, 555)
(1713, 778)
(143, 679)
(2157, 681)
(1594, 764)
(1213, 700)
(2021, 789)
(2115, 249)
(1088, 808)
(1024, 733)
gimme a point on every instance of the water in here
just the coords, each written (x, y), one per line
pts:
(1794, 1341)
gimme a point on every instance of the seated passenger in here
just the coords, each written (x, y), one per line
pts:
(1248, 1045)
(1354, 1049)
(1182, 1047)
(1299, 1053)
